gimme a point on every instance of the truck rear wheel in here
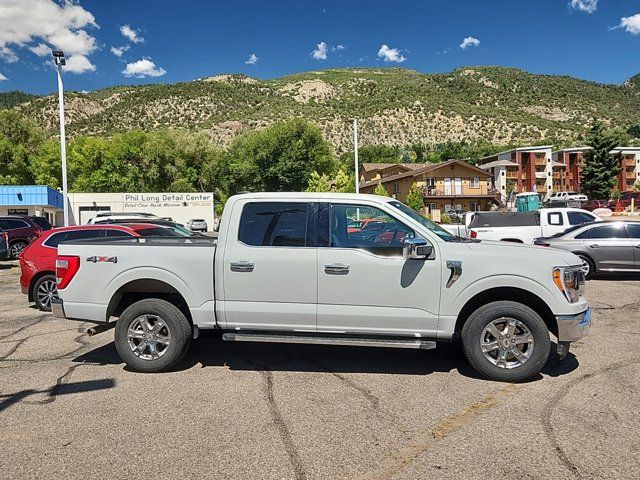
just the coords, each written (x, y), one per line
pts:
(506, 341)
(152, 335)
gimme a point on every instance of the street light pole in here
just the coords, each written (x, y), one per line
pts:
(58, 56)
(355, 150)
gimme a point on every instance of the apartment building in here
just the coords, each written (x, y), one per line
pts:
(524, 169)
(629, 175)
(572, 159)
(454, 184)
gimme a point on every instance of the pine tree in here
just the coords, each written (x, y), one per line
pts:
(380, 190)
(415, 198)
(601, 167)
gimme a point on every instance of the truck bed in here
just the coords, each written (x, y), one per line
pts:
(110, 269)
(505, 219)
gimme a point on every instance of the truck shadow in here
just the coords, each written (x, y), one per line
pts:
(210, 351)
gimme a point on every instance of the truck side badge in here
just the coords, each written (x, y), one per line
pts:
(456, 271)
(102, 259)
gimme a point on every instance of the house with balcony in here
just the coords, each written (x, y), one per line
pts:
(572, 159)
(524, 169)
(454, 184)
(629, 175)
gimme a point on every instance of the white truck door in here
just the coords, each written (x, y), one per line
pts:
(365, 286)
(270, 271)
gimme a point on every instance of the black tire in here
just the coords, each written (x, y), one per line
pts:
(472, 336)
(16, 248)
(45, 283)
(590, 263)
(176, 323)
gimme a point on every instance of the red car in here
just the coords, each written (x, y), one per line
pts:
(355, 226)
(625, 200)
(38, 260)
(591, 205)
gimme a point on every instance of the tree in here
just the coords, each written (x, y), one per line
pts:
(380, 190)
(634, 130)
(281, 157)
(600, 166)
(415, 198)
(319, 182)
(344, 182)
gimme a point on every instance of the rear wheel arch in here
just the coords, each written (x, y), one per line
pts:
(140, 289)
(513, 294)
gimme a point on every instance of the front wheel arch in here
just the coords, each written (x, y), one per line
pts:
(514, 294)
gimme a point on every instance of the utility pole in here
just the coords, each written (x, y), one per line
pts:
(355, 151)
(59, 59)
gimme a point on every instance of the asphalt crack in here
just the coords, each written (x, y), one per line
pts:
(24, 327)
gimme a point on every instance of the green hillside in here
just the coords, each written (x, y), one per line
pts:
(396, 106)
(14, 97)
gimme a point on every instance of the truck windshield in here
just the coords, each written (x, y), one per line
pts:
(433, 227)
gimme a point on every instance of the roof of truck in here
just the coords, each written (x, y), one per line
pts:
(312, 195)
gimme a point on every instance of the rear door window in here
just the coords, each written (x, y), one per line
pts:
(57, 238)
(13, 224)
(274, 224)
(634, 230)
(608, 231)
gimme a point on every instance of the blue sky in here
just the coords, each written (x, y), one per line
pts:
(172, 41)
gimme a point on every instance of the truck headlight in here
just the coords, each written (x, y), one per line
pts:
(570, 281)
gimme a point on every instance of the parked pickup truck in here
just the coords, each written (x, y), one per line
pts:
(286, 269)
(525, 227)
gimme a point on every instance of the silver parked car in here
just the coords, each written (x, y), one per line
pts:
(197, 225)
(602, 246)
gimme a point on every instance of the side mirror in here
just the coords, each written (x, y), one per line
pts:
(416, 249)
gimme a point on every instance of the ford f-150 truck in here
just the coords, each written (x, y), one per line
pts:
(285, 268)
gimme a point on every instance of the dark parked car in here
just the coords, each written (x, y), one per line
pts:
(21, 232)
(42, 222)
(177, 228)
(4, 245)
(602, 246)
(591, 205)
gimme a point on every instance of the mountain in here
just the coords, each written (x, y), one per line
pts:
(14, 97)
(395, 106)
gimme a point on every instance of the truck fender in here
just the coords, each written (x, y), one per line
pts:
(150, 273)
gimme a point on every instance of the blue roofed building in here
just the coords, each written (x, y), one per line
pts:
(38, 200)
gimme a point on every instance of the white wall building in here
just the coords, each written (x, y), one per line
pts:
(180, 207)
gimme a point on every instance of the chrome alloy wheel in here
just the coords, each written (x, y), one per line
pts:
(507, 342)
(16, 249)
(585, 267)
(148, 337)
(47, 291)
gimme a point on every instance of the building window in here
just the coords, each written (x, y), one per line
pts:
(396, 188)
(430, 182)
(431, 207)
(474, 206)
(475, 182)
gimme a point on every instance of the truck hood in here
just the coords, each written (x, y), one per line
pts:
(511, 251)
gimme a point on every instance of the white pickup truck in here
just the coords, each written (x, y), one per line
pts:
(522, 227)
(286, 268)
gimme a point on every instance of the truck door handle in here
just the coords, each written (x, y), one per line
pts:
(242, 266)
(594, 245)
(336, 269)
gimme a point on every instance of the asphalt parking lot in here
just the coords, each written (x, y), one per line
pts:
(70, 409)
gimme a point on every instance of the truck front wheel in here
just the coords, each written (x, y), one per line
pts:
(152, 335)
(506, 341)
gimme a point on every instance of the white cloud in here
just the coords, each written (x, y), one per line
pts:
(79, 64)
(41, 50)
(131, 34)
(631, 24)
(252, 60)
(391, 54)
(3, 78)
(59, 24)
(469, 42)
(119, 51)
(320, 52)
(340, 47)
(587, 6)
(143, 68)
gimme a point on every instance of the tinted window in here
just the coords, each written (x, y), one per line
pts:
(384, 234)
(57, 238)
(608, 231)
(11, 223)
(634, 230)
(41, 222)
(274, 224)
(578, 218)
(117, 234)
(157, 232)
(555, 219)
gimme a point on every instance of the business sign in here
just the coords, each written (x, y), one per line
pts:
(160, 200)
(17, 211)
